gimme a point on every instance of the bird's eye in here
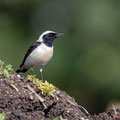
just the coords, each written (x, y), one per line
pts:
(51, 35)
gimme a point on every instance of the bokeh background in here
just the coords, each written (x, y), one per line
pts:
(86, 62)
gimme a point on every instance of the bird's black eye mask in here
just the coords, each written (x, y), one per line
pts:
(52, 35)
(49, 38)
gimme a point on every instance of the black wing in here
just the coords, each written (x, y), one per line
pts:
(31, 48)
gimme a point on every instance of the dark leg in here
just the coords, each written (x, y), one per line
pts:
(41, 73)
(31, 70)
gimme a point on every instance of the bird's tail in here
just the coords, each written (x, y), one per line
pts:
(19, 70)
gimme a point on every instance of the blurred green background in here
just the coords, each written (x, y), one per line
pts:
(86, 62)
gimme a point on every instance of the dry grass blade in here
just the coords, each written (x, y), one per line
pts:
(40, 98)
(80, 107)
(13, 86)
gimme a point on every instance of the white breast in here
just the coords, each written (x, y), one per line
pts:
(39, 57)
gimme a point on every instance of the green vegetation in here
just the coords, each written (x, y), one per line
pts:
(45, 87)
(56, 118)
(5, 70)
(2, 115)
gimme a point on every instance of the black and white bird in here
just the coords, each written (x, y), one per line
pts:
(40, 52)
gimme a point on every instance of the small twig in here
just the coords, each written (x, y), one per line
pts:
(68, 109)
(14, 87)
(81, 108)
(40, 98)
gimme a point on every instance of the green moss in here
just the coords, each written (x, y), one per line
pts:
(45, 87)
(5, 70)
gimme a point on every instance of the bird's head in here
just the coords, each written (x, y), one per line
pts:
(48, 37)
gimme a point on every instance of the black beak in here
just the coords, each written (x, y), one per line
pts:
(59, 34)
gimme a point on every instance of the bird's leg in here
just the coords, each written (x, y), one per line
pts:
(41, 73)
(31, 70)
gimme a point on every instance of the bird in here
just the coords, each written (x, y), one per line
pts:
(40, 52)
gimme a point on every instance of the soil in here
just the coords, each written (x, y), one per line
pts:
(17, 98)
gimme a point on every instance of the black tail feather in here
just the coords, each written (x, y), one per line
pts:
(17, 71)
(24, 70)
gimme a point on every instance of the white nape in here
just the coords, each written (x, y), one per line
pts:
(44, 33)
